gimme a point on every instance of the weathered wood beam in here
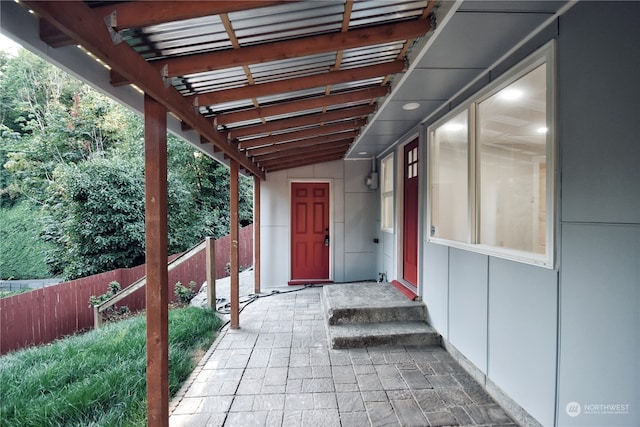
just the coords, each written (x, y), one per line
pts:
(370, 93)
(300, 121)
(302, 134)
(300, 83)
(317, 140)
(52, 36)
(138, 14)
(156, 248)
(87, 28)
(282, 153)
(297, 47)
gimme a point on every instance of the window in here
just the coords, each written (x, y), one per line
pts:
(449, 162)
(491, 163)
(386, 193)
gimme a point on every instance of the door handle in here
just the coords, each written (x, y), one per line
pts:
(326, 237)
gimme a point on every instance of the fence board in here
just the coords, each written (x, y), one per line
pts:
(45, 314)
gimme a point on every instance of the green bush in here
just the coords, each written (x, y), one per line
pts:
(21, 247)
(185, 293)
(98, 378)
(114, 312)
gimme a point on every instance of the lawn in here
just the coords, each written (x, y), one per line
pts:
(98, 378)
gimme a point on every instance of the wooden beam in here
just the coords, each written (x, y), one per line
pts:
(156, 236)
(138, 14)
(256, 235)
(302, 134)
(301, 121)
(87, 28)
(296, 47)
(370, 93)
(52, 36)
(234, 236)
(302, 154)
(302, 150)
(299, 83)
(296, 164)
(302, 143)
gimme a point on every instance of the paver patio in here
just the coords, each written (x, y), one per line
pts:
(277, 370)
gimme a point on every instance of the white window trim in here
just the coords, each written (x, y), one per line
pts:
(545, 54)
(392, 193)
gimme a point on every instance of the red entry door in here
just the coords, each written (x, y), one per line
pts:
(410, 232)
(310, 231)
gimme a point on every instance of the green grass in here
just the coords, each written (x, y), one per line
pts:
(98, 378)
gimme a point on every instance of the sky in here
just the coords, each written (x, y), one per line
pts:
(7, 44)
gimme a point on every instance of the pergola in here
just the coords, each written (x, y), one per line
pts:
(267, 86)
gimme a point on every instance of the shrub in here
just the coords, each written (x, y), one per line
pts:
(114, 312)
(185, 293)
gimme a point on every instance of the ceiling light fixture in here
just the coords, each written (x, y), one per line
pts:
(542, 129)
(410, 106)
(452, 127)
(362, 153)
(511, 94)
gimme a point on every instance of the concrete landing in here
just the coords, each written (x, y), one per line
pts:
(374, 314)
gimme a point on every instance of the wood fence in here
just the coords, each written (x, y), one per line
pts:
(46, 314)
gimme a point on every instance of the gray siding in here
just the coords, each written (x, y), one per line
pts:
(599, 110)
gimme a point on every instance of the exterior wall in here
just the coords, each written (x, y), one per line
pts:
(600, 224)
(353, 258)
(549, 338)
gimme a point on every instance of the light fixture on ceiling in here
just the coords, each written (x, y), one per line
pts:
(362, 153)
(511, 94)
(542, 129)
(410, 106)
(453, 127)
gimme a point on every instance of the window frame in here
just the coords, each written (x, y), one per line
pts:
(387, 165)
(544, 55)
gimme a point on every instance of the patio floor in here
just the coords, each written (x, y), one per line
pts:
(277, 370)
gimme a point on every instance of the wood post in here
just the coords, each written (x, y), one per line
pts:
(155, 154)
(234, 236)
(211, 272)
(256, 234)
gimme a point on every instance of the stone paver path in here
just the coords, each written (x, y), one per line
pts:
(277, 370)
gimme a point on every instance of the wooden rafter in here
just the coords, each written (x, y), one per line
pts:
(302, 151)
(299, 83)
(301, 134)
(293, 48)
(137, 14)
(299, 163)
(80, 22)
(301, 121)
(319, 153)
(371, 93)
(316, 140)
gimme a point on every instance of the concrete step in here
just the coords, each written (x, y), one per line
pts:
(369, 303)
(354, 335)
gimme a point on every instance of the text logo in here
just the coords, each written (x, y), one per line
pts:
(573, 409)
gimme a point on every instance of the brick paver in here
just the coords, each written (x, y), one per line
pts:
(277, 370)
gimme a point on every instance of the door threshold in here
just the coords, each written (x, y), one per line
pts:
(405, 290)
(309, 282)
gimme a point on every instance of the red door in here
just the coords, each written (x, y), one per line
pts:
(410, 232)
(310, 231)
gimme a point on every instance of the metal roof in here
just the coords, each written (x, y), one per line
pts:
(225, 58)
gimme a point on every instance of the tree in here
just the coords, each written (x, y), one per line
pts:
(78, 156)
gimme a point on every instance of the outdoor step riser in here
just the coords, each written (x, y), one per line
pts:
(376, 315)
(385, 340)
